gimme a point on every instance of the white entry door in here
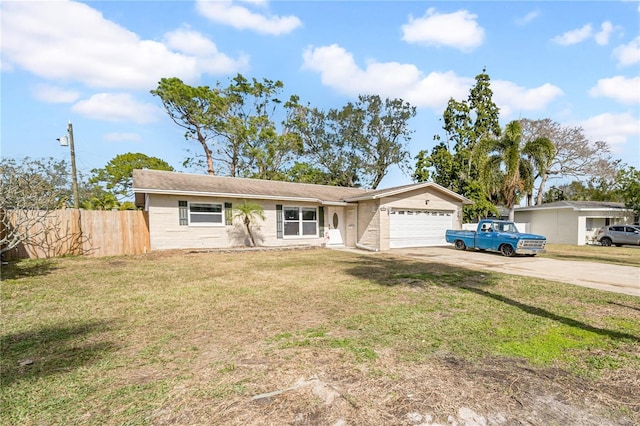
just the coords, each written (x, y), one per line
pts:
(418, 228)
(335, 226)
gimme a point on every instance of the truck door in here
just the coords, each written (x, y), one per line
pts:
(486, 237)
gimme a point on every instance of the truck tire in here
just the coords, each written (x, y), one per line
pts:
(460, 245)
(606, 241)
(507, 250)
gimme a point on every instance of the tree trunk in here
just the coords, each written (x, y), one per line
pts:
(247, 224)
(207, 153)
(543, 182)
(376, 181)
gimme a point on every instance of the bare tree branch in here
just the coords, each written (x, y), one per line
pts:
(29, 191)
(576, 156)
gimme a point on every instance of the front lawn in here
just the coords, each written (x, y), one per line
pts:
(625, 255)
(308, 337)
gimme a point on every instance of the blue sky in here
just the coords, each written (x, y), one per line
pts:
(94, 63)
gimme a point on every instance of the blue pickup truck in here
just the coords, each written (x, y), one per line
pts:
(497, 235)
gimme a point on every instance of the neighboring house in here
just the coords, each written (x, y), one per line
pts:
(572, 222)
(195, 211)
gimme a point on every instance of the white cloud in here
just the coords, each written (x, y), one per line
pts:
(190, 42)
(574, 36)
(338, 70)
(529, 17)
(512, 98)
(225, 12)
(117, 107)
(628, 54)
(54, 94)
(622, 89)
(615, 129)
(606, 29)
(41, 38)
(458, 29)
(209, 58)
(122, 137)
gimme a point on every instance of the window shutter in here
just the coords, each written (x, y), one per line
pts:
(183, 213)
(321, 220)
(228, 214)
(279, 221)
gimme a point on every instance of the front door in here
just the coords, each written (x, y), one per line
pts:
(335, 226)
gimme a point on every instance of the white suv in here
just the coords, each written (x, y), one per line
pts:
(618, 235)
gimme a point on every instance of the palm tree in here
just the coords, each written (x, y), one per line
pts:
(510, 167)
(249, 211)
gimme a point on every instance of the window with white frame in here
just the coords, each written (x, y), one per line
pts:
(589, 224)
(206, 214)
(300, 221)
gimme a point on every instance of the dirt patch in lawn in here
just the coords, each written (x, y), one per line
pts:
(319, 389)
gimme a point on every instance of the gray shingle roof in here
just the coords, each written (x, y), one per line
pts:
(161, 182)
(576, 205)
(156, 181)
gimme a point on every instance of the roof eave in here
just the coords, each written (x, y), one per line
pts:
(574, 208)
(234, 195)
(534, 208)
(392, 192)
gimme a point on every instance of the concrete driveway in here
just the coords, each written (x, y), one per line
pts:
(602, 276)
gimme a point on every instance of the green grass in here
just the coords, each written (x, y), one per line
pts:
(626, 255)
(129, 340)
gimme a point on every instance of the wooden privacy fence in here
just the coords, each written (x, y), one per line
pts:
(85, 232)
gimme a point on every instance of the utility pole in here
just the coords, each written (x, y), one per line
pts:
(74, 173)
(76, 234)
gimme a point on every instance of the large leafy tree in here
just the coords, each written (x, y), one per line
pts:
(439, 166)
(380, 132)
(594, 189)
(629, 181)
(574, 154)
(253, 145)
(508, 166)
(453, 162)
(117, 175)
(234, 125)
(357, 144)
(196, 109)
(327, 157)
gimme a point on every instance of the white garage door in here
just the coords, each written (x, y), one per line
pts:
(419, 228)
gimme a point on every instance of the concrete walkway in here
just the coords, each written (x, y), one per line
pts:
(601, 276)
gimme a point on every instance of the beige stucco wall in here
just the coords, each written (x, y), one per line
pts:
(367, 222)
(373, 226)
(368, 227)
(568, 226)
(559, 226)
(166, 233)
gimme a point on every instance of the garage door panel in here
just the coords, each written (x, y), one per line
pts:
(419, 228)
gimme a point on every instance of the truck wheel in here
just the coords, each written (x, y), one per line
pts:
(606, 242)
(507, 250)
(460, 245)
